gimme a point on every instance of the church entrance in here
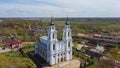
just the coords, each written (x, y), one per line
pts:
(61, 59)
(58, 60)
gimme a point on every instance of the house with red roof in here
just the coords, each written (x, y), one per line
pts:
(13, 44)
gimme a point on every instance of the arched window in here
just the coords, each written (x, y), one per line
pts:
(64, 34)
(68, 34)
(46, 55)
(49, 35)
(52, 27)
(69, 52)
(53, 35)
(53, 46)
(68, 44)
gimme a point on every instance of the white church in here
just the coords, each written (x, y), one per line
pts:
(53, 50)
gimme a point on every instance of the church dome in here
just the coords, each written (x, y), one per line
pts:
(67, 22)
(51, 23)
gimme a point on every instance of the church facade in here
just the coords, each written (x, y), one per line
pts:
(53, 50)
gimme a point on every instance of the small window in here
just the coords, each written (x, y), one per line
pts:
(46, 55)
(43, 53)
(53, 46)
(52, 27)
(68, 34)
(68, 44)
(64, 34)
(49, 36)
(53, 36)
(69, 52)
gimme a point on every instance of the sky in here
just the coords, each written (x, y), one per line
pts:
(60, 8)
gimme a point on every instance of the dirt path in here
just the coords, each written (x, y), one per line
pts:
(28, 42)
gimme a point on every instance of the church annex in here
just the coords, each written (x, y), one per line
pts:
(53, 50)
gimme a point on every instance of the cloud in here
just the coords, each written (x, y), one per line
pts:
(60, 8)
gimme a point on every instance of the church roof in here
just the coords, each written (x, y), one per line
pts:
(44, 37)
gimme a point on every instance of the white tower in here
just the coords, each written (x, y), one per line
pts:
(67, 39)
(52, 44)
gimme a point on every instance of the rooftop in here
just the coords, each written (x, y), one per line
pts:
(94, 50)
(44, 37)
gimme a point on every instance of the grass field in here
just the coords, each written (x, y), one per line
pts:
(28, 47)
(1, 45)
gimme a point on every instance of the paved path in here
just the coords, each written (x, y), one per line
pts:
(6, 50)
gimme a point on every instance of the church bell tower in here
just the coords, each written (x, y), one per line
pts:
(67, 39)
(52, 42)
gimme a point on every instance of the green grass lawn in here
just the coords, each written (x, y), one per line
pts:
(26, 48)
(1, 45)
(114, 54)
(95, 65)
(15, 62)
(12, 54)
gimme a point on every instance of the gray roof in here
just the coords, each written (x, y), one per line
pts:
(44, 37)
(94, 50)
(42, 45)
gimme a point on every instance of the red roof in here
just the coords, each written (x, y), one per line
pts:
(7, 45)
(14, 42)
